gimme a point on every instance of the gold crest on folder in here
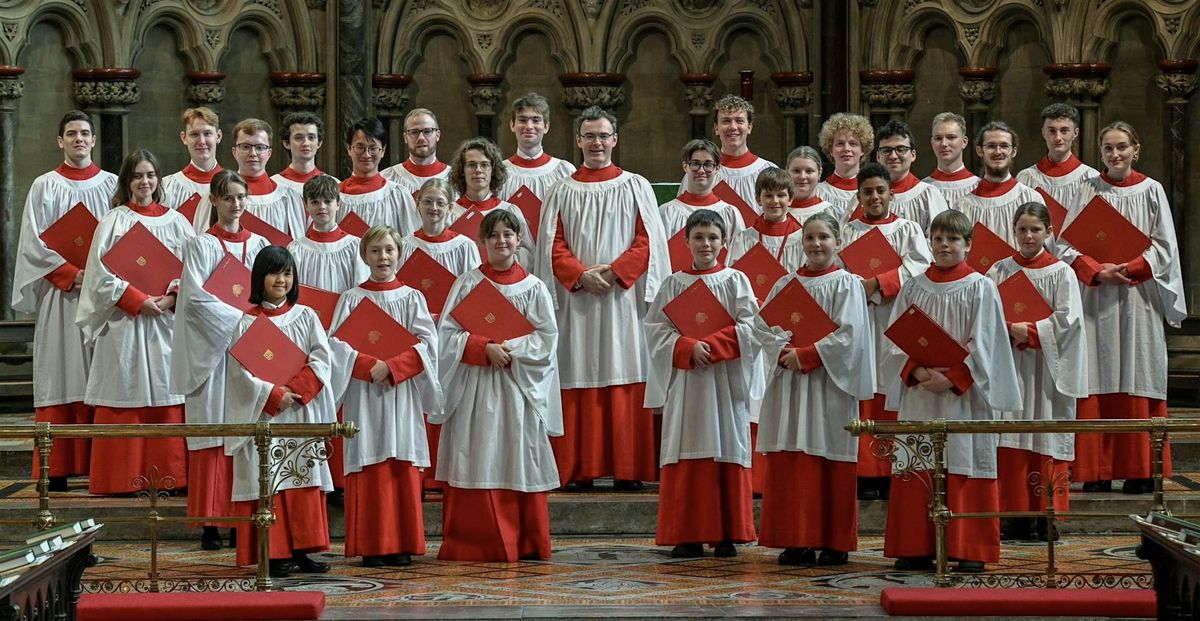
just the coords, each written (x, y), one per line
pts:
(268, 355)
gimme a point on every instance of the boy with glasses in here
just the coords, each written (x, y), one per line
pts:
(733, 121)
(368, 193)
(913, 199)
(701, 169)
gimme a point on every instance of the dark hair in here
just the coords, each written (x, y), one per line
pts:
(872, 170)
(458, 164)
(1036, 210)
(700, 144)
(498, 216)
(75, 115)
(595, 113)
(302, 118)
(892, 129)
(996, 126)
(273, 260)
(321, 187)
(732, 104)
(371, 127)
(532, 101)
(1061, 111)
(219, 186)
(772, 179)
(953, 222)
(125, 177)
(704, 217)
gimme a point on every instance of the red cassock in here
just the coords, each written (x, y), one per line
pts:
(809, 502)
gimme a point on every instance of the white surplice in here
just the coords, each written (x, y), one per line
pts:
(390, 205)
(458, 255)
(1064, 187)
(740, 178)
(787, 249)
(281, 208)
(810, 208)
(180, 187)
(917, 201)
(996, 212)
(675, 213)
(538, 178)
(330, 265)
(410, 181)
(842, 199)
(526, 252)
(953, 186)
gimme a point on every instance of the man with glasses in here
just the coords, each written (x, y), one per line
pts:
(188, 188)
(948, 141)
(276, 205)
(531, 166)
(913, 199)
(603, 253)
(995, 200)
(1059, 173)
(421, 135)
(701, 167)
(367, 192)
(733, 121)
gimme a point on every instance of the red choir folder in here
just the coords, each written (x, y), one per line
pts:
(1102, 233)
(468, 224)
(987, 249)
(230, 282)
(761, 268)
(188, 208)
(486, 312)
(1021, 300)
(322, 301)
(370, 330)
(71, 235)
(431, 278)
(258, 226)
(144, 262)
(268, 353)
(696, 312)
(925, 342)
(729, 195)
(794, 309)
(530, 206)
(353, 224)
(870, 255)
(1058, 213)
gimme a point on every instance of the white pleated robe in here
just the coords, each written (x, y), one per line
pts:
(921, 203)
(675, 214)
(952, 188)
(281, 208)
(178, 188)
(802, 214)
(410, 182)
(526, 252)
(791, 258)
(333, 266)
(1066, 188)
(538, 179)
(741, 179)
(996, 212)
(843, 201)
(390, 205)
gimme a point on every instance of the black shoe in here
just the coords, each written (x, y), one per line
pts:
(869, 493)
(210, 538)
(688, 550)
(336, 498)
(725, 549)
(1016, 529)
(373, 561)
(306, 565)
(58, 484)
(970, 567)
(622, 485)
(280, 568)
(398, 560)
(1097, 486)
(1138, 486)
(579, 486)
(804, 557)
(914, 563)
(233, 537)
(830, 558)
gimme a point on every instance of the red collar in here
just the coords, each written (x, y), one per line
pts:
(937, 274)
(691, 269)
(390, 285)
(991, 189)
(78, 174)
(807, 273)
(510, 276)
(424, 170)
(199, 176)
(861, 215)
(958, 175)
(841, 182)
(269, 312)
(483, 206)
(362, 185)
(777, 229)
(537, 162)
(1040, 260)
(687, 198)
(447, 235)
(1132, 179)
(290, 174)
(260, 185)
(242, 235)
(1051, 168)
(738, 161)
(591, 175)
(804, 203)
(153, 210)
(324, 237)
(906, 183)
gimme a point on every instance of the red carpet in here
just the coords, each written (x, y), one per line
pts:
(200, 606)
(985, 602)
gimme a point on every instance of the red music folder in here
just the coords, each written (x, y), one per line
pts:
(794, 308)
(468, 224)
(71, 235)
(870, 255)
(258, 226)
(729, 195)
(353, 224)
(144, 262)
(1058, 213)
(761, 268)
(268, 354)
(1021, 300)
(230, 282)
(987, 249)
(925, 342)
(486, 312)
(1102, 233)
(530, 206)
(431, 278)
(681, 255)
(188, 208)
(370, 330)
(696, 312)
(322, 301)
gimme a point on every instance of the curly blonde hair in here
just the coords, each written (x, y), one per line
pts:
(856, 124)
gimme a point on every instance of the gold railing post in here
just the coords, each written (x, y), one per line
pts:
(940, 513)
(44, 441)
(1158, 441)
(265, 516)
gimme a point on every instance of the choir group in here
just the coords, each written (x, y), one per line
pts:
(499, 328)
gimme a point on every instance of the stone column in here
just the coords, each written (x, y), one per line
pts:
(294, 92)
(107, 92)
(391, 102)
(484, 94)
(888, 93)
(11, 89)
(1178, 82)
(977, 89)
(793, 96)
(698, 91)
(1081, 85)
(206, 88)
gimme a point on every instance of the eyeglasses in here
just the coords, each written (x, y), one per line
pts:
(694, 166)
(886, 151)
(360, 149)
(246, 147)
(427, 132)
(439, 202)
(478, 165)
(992, 146)
(595, 137)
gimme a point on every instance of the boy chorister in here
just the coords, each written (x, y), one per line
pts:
(702, 388)
(998, 194)
(776, 230)
(1059, 173)
(947, 141)
(277, 205)
(531, 166)
(386, 398)
(966, 305)
(812, 393)
(201, 135)
(846, 139)
(701, 167)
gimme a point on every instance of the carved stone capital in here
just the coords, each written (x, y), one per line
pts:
(888, 95)
(1178, 79)
(1087, 89)
(793, 100)
(699, 97)
(11, 87)
(977, 92)
(390, 93)
(297, 91)
(581, 90)
(106, 87)
(206, 94)
(484, 99)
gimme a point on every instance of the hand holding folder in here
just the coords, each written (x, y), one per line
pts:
(795, 310)
(370, 330)
(761, 268)
(230, 283)
(696, 312)
(926, 343)
(726, 193)
(486, 312)
(268, 354)
(429, 277)
(1102, 233)
(258, 226)
(144, 262)
(870, 255)
(530, 206)
(987, 249)
(323, 302)
(71, 235)
(1021, 300)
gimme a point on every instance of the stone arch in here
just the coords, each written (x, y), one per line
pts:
(718, 49)
(994, 30)
(73, 23)
(1097, 46)
(561, 50)
(277, 46)
(910, 39)
(189, 36)
(1188, 46)
(410, 41)
(625, 36)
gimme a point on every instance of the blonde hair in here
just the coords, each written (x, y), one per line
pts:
(251, 127)
(829, 220)
(202, 113)
(373, 235)
(856, 124)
